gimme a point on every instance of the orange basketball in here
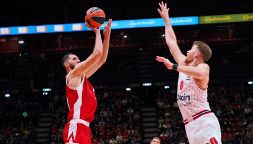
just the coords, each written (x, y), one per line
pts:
(95, 17)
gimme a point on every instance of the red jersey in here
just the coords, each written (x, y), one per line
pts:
(81, 101)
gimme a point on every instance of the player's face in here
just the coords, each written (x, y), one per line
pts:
(73, 60)
(155, 141)
(191, 53)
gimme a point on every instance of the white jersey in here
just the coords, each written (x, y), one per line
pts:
(191, 98)
(201, 125)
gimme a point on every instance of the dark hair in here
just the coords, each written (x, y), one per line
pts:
(65, 58)
(204, 49)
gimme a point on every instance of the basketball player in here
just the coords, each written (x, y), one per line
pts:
(80, 93)
(202, 126)
(155, 140)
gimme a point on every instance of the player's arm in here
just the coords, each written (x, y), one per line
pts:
(106, 43)
(170, 36)
(199, 72)
(83, 67)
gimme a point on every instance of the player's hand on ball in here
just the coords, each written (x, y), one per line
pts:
(165, 61)
(96, 30)
(107, 29)
(93, 29)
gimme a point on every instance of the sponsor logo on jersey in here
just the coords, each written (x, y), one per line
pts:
(181, 85)
(184, 97)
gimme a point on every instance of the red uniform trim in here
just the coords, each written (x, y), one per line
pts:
(213, 140)
(197, 115)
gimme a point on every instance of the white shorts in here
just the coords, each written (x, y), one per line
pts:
(204, 130)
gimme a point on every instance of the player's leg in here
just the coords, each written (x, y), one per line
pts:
(76, 133)
(210, 130)
(69, 133)
(192, 131)
(84, 134)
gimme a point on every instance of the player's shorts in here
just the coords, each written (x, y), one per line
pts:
(205, 129)
(77, 131)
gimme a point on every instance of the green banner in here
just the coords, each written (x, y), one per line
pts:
(226, 18)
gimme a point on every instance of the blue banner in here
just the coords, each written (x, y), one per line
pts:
(117, 24)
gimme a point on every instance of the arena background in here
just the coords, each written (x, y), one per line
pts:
(136, 95)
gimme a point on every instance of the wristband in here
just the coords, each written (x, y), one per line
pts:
(174, 67)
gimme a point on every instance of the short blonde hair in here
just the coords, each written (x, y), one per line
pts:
(204, 49)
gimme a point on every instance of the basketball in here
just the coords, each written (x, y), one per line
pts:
(95, 17)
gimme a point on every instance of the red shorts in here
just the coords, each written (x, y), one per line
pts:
(76, 133)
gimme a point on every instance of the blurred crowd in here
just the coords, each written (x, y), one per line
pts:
(18, 119)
